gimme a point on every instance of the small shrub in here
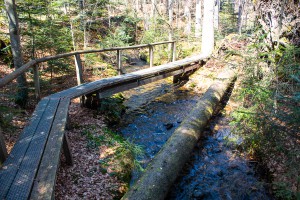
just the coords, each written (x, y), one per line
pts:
(269, 117)
(112, 108)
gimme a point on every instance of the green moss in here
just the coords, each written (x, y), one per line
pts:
(112, 108)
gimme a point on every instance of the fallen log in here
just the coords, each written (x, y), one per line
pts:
(164, 168)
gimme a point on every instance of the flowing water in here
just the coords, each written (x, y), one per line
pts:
(215, 170)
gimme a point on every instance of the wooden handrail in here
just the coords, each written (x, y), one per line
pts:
(5, 80)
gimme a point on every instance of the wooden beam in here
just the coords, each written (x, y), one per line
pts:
(173, 51)
(37, 86)
(106, 92)
(119, 61)
(151, 55)
(12, 165)
(67, 151)
(130, 77)
(25, 176)
(44, 182)
(79, 72)
(113, 90)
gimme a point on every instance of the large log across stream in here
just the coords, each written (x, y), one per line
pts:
(163, 170)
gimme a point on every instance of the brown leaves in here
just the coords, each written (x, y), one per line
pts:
(85, 179)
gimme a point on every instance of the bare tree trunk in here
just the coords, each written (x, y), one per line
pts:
(198, 18)
(153, 4)
(216, 14)
(240, 15)
(136, 6)
(171, 2)
(109, 15)
(85, 35)
(14, 33)
(280, 21)
(187, 13)
(208, 27)
(178, 14)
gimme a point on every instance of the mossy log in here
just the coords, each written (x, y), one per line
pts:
(163, 170)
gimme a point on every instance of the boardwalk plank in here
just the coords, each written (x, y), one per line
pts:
(45, 181)
(22, 184)
(15, 158)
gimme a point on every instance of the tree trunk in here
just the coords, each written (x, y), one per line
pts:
(153, 4)
(198, 18)
(187, 13)
(178, 15)
(240, 15)
(14, 33)
(208, 28)
(280, 21)
(216, 14)
(170, 20)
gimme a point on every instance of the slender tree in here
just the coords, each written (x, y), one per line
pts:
(208, 27)
(14, 33)
(198, 18)
(240, 15)
(216, 14)
(153, 9)
(188, 17)
(170, 2)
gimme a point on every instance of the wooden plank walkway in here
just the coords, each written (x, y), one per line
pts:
(180, 66)
(30, 169)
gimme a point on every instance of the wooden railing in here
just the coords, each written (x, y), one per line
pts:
(78, 63)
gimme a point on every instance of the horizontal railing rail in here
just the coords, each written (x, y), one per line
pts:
(34, 63)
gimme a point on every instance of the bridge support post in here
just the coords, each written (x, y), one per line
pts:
(119, 61)
(151, 54)
(91, 101)
(79, 73)
(181, 77)
(78, 69)
(37, 86)
(66, 149)
(173, 51)
(3, 151)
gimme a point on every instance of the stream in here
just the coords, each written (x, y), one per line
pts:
(216, 170)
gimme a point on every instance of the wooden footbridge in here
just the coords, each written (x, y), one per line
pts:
(29, 171)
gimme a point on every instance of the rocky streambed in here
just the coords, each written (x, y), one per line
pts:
(216, 170)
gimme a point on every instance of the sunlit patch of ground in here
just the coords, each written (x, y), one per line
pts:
(86, 178)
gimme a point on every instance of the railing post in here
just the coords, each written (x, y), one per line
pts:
(36, 78)
(78, 65)
(67, 150)
(173, 51)
(3, 151)
(151, 55)
(119, 61)
(79, 74)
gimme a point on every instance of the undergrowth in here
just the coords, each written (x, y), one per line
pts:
(112, 108)
(117, 155)
(269, 116)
